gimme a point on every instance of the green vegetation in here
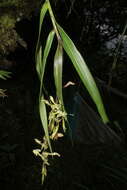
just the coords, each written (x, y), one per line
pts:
(11, 12)
(57, 117)
(3, 75)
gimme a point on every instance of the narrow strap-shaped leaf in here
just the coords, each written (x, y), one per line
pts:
(42, 107)
(43, 116)
(4, 74)
(45, 56)
(58, 67)
(83, 72)
(40, 67)
(44, 9)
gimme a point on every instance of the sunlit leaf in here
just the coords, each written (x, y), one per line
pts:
(58, 66)
(83, 72)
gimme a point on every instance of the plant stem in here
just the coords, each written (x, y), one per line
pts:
(116, 55)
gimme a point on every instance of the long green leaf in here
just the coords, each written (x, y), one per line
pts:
(42, 107)
(45, 56)
(40, 66)
(83, 72)
(43, 12)
(58, 67)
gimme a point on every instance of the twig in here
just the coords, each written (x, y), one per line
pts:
(111, 89)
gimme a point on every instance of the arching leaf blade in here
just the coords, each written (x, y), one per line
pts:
(58, 67)
(83, 72)
(42, 106)
(43, 12)
(45, 56)
(40, 67)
